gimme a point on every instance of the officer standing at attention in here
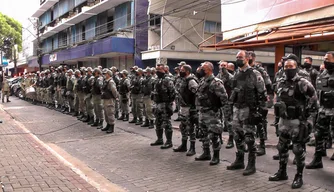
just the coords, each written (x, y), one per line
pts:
(96, 97)
(325, 120)
(124, 90)
(211, 97)
(188, 112)
(296, 100)
(148, 85)
(248, 97)
(109, 96)
(163, 95)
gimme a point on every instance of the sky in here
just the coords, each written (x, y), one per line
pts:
(20, 10)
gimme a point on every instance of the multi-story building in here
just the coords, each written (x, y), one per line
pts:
(88, 32)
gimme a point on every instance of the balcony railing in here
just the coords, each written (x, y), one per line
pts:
(42, 1)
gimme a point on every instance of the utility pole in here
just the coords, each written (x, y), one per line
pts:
(15, 59)
(39, 49)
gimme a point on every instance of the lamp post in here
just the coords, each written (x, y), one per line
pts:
(15, 59)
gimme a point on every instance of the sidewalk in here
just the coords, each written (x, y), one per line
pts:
(126, 159)
(25, 165)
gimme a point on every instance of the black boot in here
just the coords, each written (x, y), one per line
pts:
(298, 181)
(332, 158)
(169, 142)
(182, 147)
(121, 117)
(96, 123)
(100, 124)
(134, 120)
(139, 121)
(91, 121)
(86, 119)
(80, 116)
(276, 157)
(191, 151)
(151, 124)
(230, 143)
(106, 128)
(316, 163)
(126, 117)
(215, 158)
(261, 150)
(116, 115)
(146, 123)
(205, 156)
(159, 141)
(111, 129)
(238, 163)
(281, 173)
(329, 142)
(250, 169)
(311, 143)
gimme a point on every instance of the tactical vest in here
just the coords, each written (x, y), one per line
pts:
(136, 86)
(244, 89)
(96, 87)
(289, 93)
(187, 96)
(80, 84)
(206, 97)
(106, 93)
(325, 88)
(87, 87)
(123, 88)
(147, 86)
(162, 94)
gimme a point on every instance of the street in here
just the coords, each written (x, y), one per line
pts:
(126, 159)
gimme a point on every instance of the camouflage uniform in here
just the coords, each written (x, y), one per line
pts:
(178, 82)
(70, 91)
(163, 96)
(88, 83)
(248, 97)
(124, 89)
(188, 114)
(227, 78)
(97, 101)
(116, 79)
(296, 100)
(325, 120)
(79, 87)
(313, 74)
(212, 96)
(137, 100)
(109, 96)
(147, 88)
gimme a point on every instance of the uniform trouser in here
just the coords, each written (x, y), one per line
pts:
(5, 93)
(163, 113)
(244, 131)
(81, 102)
(89, 105)
(43, 95)
(289, 130)
(98, 107)
(189, 119)
(137, 105)
(228, 111)
(211, 126)
(76, 102)
(124, 103)
(148, 104)
(109, 110)
(322, 131)
(61, 99)
(117, 108)
(38, 93)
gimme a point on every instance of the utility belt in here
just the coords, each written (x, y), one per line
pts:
(288, 112)
(327, 99)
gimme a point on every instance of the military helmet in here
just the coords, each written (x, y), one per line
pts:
(89, 69)
(125, 72)
(70, 71)
(182, 63)
(104, 71)
(77, 71)
(97, 70)
(113, 68)
(153, 69)
(140, 70)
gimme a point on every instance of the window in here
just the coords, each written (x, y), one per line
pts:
(155, 20)
(212, 27)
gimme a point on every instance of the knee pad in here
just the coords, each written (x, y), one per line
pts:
(297, 149)
(249, 139)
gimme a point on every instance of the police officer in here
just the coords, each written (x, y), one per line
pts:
(124, 92)
(177, 83)
(163, 95)
(227, 78)
(96, 97)
(211, 96)
(77, 89)
(69, 89)
(109, 96)
(188, 112)
(325, 121)
(137, 97)
(148, 84)
(261, 128)
(80, 84)
(248, 97)
(313, 73)
(115, 78)
(88, 84)
(296, 100)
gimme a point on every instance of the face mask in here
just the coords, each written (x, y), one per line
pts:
(230, 71)
(279, 68)
(240, 63)
(307, 65)
(329, 65)
(290, 73)
(160, 74)
(137, 74)
(183, 74)
(202, 73)
(250, 61)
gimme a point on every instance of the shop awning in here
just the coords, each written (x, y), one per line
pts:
(308, 32)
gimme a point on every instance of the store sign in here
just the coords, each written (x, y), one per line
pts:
(53, 57)
(4, 61)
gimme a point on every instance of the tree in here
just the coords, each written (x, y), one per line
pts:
(10, 34)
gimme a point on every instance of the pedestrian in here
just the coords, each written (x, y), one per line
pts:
(163, 95)
(248, 97)
(109, 96)
(5, 90)
(296, 100)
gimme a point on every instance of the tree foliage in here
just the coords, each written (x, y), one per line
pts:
(10, 34)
